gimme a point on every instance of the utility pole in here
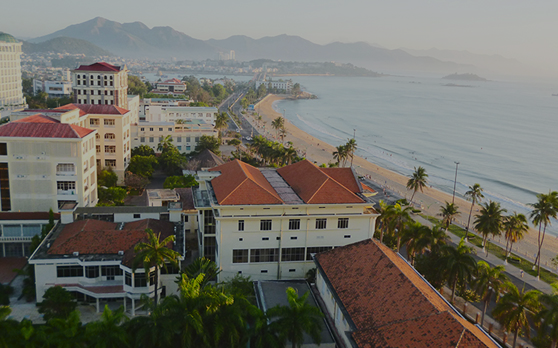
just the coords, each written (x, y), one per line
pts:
(454, 182)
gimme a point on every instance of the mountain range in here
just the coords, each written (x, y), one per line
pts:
(136, 40)
(65, 44)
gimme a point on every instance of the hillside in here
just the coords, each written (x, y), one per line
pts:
(464, 77)
(139, 41)
(65, 44)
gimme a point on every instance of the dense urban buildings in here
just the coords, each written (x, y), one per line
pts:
(11, 94)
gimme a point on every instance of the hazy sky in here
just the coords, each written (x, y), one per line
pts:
(521, 29)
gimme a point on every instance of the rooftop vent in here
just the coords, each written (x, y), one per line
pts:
(121, 253)
(120, 226)
(76, 253)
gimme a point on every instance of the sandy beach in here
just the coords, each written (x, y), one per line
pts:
(431, 200)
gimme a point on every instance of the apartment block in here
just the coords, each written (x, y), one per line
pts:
(101, 84)
(155, 110)
(185, 136)
(11, 92)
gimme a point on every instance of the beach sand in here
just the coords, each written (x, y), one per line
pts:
(431, 199)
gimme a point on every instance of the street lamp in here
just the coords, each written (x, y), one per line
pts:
(454, 182)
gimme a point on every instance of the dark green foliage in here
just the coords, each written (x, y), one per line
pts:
(136, 86)
(5, 292)
(208, 142)
(143, 166)
(111, 196)
(143, 150)
(57, 303)
(107, 178)
(180, 181)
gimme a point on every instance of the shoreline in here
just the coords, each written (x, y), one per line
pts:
(431, 200)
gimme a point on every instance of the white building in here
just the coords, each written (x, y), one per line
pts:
(94, 258)
(101, 83)
(266, 223)
(286, 85)
(11, 92)
(17, 229)
(173, 87)
(172, 111)
(45, 163)
(54, 89)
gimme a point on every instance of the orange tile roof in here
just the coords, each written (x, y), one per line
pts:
(390, 304)
(315, 186)
(240, 183)
(39, 126)
(95, 109)
(344, 176)
(38, 118)
(100, 66)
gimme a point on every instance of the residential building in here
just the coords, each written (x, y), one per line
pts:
(54, 89)
(173, 87)
(266, 223)
(286, 85)
(174, 111)
(101, 83)
(45, 163)
(94, 259)
(11, 92)
(185, 135)
(17, 229)
(374, 298)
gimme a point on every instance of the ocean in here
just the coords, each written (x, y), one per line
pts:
(503, 133)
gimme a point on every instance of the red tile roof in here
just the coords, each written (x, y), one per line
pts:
(344, 176)
(390, 304)
(7, 267)
(37, 126)
(101, 66)
(40, 215)
(240, 183)
(315, 186)
(95, 109)
(173, 81)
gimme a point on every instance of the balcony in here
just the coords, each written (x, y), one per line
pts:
(65, 173)
(66, 192)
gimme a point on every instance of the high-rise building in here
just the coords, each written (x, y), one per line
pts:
(101, 83)
(11, 93)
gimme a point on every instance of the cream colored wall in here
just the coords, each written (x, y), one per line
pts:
(120, 84)
(176, 131)
(11, 92)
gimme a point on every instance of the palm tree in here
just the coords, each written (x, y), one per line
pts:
(545, 208)
(399, 217)
(282, 134)
(289, 155)
(449, 213)
(436, 239)
(417, 181)
(488, 280)
(384, 218)
(155, 253)
(297, 318)
(515, 227)
(415, 237)
(547, 318)
(340, 155)
(457, 264)
(221, 122)
(490, 220)
(351, 147)
(514, 309)
(107, 332)
(165, 143)
(236, 143)
(277, 124)
(204, 266)
(475, 194)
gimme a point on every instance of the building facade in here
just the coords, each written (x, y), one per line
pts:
(54, 89)
(45, 163)
(185, 136)
(286, 85)
(169, 111)
(11, 92)
(18, 229)
(267, 223)
(101, 84)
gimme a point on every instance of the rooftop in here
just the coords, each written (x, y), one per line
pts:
(101, 66)
(5, 37)
(207, 159)
(40, 126)
(389, 304)
(95, 109)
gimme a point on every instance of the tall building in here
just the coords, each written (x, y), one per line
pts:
(11, 92)
(101, 83)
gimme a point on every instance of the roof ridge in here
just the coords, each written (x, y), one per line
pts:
(251, 178)
(318, 190)
(461, 336)
(236, 188)
(341, 183)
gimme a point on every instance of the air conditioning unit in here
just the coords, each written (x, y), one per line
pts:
(121, 253)
(76, 253)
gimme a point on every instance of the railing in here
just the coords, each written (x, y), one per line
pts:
(61, 173)
(15, 239)
(66, 192)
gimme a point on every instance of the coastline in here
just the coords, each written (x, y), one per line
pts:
(431, 199)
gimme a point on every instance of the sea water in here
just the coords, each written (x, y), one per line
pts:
(502, 133)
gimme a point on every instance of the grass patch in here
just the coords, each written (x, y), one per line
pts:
(519, 262)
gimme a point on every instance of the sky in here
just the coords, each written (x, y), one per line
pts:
(519, 29)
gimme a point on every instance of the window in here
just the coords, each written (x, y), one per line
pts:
(69, 271)
(128, 279)
(139, 280)
(92, 271)
(264, 255)
(108, 121)
(151, 139)
(188, 148)
(178, 139)
(68, 168)
(315, 250)
(188, 139)
(137, 216)
(94, 121)
(265, 225)
(98, 148)
(110, 163)
(347, 236)
(241, 225)
(197, 139)
(111, 271)
(151, 129)
(292, 254)
(294, 224)
(142, 139)
(5, 187)
(3, 149)
(170, 129)
(66, 185)
(160, 129)
(294, 237)
(343, 223)
(209, 248)
(169, 269)
(110, 136)
(110, 149)
(240, 256)
(142, 129)
(321, 224)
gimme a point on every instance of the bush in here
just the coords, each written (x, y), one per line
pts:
(5, 292)
(57, 303)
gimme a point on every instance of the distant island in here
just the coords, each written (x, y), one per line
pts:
(464, 77)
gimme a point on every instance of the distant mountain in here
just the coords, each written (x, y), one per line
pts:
(138, 41)
(484, 62)
(67, 45)
(464, 77)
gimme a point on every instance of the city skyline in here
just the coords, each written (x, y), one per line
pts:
(514, 29)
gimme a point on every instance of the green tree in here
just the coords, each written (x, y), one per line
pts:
(299, 317)
(340, 155)
(172, 182)
(489, 280)
(221, 122)
(57, 303)
(143, 150)
(296, 89)
(400, 217)
(143, 166)
(490, 220)
(547, 318)
(107, 178)
(109, 331)
(65, 332)
(112, 196)
(277, 124)
(262, 91)
(351, 147)
(515, 227)
(514, 309)
(417, 181)
(208, 142)
(165, 144)
(236, 143)
(136, 86)
(458, 265)
(244, 103)
(475, 195)
(135, 181)
(545, 209)
(204, 266)
(415, 238)
(449, 212)
(171, 160)
(155, 253)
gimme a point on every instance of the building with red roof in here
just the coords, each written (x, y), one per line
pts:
(266, 222)
(173, 87)
(101, 84)
(376, 299)
(45, 163)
